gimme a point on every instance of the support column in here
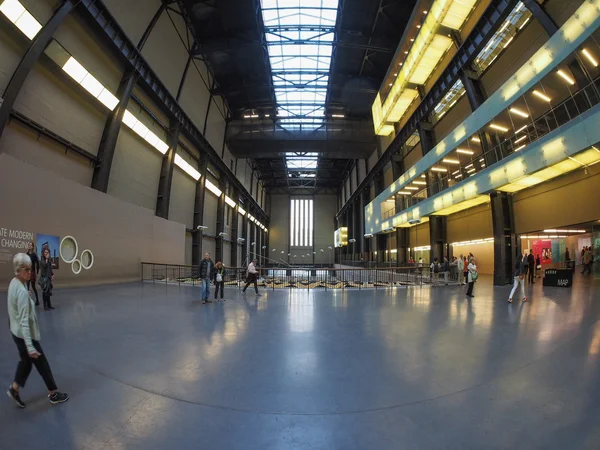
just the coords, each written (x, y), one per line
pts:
(199, 213)
(220, 222)
(245, 237)
(381, 238)
(163, 197)
(252, 239)
(35, 50)
(110, 135)
(505, 240)
(360, 238)
(437, 224)
(234, 229)
(401, 233)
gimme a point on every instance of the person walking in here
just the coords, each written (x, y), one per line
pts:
(587, 256)
(446, 270)
(252, 277)
(46, 278)
(219, 279)
(35, 269)
(472, 276)
(26, 334)
(466, 270)
(435, 271)
(205, 271)
(531, 267)
(460, 265)
(519, 278)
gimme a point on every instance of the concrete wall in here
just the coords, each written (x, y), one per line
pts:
(119, 234)
(568, 200)
(470, 224)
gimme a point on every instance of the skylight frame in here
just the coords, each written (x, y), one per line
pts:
(300, 35)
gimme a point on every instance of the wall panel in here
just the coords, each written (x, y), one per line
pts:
(183, 193)
(133, 15)
(470, 224)
(195, 94)
(10, 55)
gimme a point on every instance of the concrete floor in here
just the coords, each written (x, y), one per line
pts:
(148, 367)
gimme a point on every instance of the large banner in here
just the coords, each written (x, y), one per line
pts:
(544, 250)
(17, 241)
(12, 242)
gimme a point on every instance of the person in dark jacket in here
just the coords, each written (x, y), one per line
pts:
(35, 270)
(531, 267)
(519, 277)
(46, 278)
(205, 271)
(218, 277)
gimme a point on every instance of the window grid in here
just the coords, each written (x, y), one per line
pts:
(301, 222)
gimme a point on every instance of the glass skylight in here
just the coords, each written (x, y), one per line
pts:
(300, 35)
(301, 161)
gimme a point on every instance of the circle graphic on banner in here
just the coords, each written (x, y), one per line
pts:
(87, 259)
(68, 249)
(76, 267)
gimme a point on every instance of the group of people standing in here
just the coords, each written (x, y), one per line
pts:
(587, 260)
(210, 272)
(42, 268)
(461, 269)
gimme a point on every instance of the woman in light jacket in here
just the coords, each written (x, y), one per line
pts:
(46, 277)
(26, 334)
(471, 271)
(519, 278)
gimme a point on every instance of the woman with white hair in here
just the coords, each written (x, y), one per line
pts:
(26, 334)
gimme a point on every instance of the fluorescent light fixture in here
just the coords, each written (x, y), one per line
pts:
(465, 152)
(475, 139)
(498, 127)
(508, 42)
(108, 99)
(520, 139)
(368, 236)
(75, 70)
(21, 18)
(338, 116)
(411, 188)
(518, 112)
(241, 210)
(474, 242)
(458, 176)
(212, 188)
(423, 176)
(565, 77)
(544, 97)
(404, 193)
(92, 85)
(521, 147)
(129, 119)
(451, 161)
(141, 129)
(589, 57)
(470, 165)
(521, 129)
(439, 169)
(455, 172)
(481, 160)
(471, 170)
(422, 183)
(186, 167)
(161, 146)
(230, 202)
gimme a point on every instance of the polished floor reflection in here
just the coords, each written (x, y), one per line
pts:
(149, 367)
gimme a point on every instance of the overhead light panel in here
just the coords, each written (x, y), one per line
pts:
(230, 202)
(564, 76)
(475, 139)
(521, 129)
(589, 57)
(498, 127)
(520, 139)
(422, 183)
(21, 18)
(338, 116)
(521, 147)
(518, 112)
(186, 167)
(544, 97)
(451, 161)
(471, 170)
(439, 169)
(212, 188)
(241, 210)
(411, 188)
(465, 152)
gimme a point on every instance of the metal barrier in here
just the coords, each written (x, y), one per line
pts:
(296, 277)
